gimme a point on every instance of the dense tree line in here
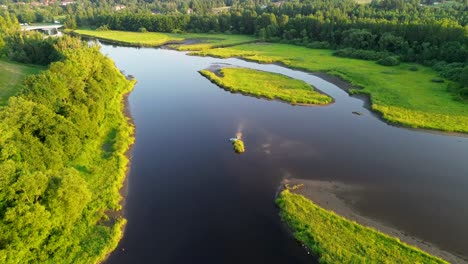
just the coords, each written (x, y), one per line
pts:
(62, 161)
(386, 30)
(405, 30)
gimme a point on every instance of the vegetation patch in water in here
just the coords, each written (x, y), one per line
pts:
(238, 146)
(337, 240)
(266, 84)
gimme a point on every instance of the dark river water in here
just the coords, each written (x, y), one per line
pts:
(191, 199)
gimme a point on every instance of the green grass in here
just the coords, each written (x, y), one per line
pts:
(267, 84)
(154, 39)
(402, 96)
(337, 240)
(11, 78)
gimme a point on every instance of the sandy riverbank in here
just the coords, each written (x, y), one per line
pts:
(326, 194)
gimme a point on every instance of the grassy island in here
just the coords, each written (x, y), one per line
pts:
(400, 95)
(266, 84)
(11, 78)
(337, 240)
(155, 39)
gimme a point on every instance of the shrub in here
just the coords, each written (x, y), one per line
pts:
(319, 45)
(389, 61)
(103, 28)
(238, 146)
(463, 93)
(360, 54)
(142, 30)
(413, 68)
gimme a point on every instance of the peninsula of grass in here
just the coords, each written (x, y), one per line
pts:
(401, 96)
(267, 85)
(337, 240)
(11, 78)
(155, 39)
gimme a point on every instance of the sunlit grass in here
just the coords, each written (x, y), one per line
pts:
(402, 96)
(268, 85)
(337, 240)
(203, 41)
(11, 77)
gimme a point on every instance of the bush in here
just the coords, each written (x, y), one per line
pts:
(360, 54)
(238, 146)
(103, 28)
(389, 61)
(318, 45)
(142, 30)
(413, 68)
(463, 93)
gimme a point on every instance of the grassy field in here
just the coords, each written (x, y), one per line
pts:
(267, 84)
(11, 77)
(154, 39)
(402, 96)
(338, 240)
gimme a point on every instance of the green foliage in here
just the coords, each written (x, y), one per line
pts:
(267, 85)
(238, 146)
(70, 22)
(360, 54)
(30, 47)
(56, 180)
(337, 240)
(389, 61)
(103, 28)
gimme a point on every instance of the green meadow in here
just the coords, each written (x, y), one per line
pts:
(337, 240)
(154, 39)
(11, 78)
(266, 84)
(400, 94)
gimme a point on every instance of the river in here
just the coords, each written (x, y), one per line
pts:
(191, 199)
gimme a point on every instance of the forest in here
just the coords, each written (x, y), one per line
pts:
(63, 144)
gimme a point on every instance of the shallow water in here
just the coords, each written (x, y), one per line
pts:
(191, 199)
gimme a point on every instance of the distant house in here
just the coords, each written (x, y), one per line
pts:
(4, 6)
(119, 7)
(190, 11)
(36, 3)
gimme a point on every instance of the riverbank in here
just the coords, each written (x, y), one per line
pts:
(328, 195)
(178, 41)
(271, 86)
